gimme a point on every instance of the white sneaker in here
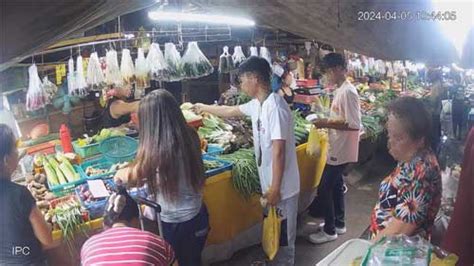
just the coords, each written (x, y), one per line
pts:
(321, 237)
(339, 231)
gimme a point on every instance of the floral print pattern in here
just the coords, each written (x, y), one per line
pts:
(411, 193)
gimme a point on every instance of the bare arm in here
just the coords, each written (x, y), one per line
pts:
(222, 111)
(324, 123)
(120, 108)
(41, 229)
(396, 227)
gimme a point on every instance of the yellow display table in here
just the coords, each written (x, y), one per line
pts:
(234, 220)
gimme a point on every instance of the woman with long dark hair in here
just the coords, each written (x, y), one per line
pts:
(169, 158)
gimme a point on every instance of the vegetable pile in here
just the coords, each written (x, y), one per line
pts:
(244, 172)
(372, 126)
(58, 169)
(104, 134)
(212, 164)
(301, 128)
(37, 186)
(216, 131)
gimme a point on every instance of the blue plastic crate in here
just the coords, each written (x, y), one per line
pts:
(226, 166)
(97, 207)
(214, 150)
(68, 188)
(100, 163)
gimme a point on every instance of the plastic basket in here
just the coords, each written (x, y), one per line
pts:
(100, 163)
(97, 207)
(214, 150)
(119, 149)
(86, 151)
(68, 188)
(226, 166)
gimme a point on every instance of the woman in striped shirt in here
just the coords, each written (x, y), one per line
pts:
(122, 243)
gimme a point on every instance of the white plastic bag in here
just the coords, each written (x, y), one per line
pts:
(195, 63)
(71, 77)
(173, 61)
(141, 70)
(95, 76)
(50, 89)
(253, 51)
(157, 63)
(81, 85)
(35, 97)
(266, 55)
(238, 57)
(225, 61)
(126, 67)
(112, 71)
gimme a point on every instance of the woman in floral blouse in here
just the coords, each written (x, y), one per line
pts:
(409, 198)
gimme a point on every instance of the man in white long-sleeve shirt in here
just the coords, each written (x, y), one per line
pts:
(344, 126)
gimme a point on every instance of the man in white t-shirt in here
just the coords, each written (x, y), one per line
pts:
(275, 151)
(344, 127)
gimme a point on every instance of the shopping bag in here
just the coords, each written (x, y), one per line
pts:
(314, 143)
(271, 233)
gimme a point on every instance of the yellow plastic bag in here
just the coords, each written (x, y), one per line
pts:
(271, 233)
(314, 143)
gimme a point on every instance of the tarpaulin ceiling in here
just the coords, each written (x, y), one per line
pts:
(335, 22)
(30, 26)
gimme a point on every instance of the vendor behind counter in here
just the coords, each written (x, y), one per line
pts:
(118, 111)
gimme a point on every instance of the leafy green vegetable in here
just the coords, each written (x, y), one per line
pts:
(244, 172)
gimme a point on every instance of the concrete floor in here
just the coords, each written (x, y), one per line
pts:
(363, 183)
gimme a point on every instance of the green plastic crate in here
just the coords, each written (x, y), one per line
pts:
(86, 151)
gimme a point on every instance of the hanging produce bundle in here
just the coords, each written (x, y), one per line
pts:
(195, 63)
(126, 67)
(253, 51)
(35, 97)
(112, 71)
(156, 63)
(173, 61)
(50, 89)
(81, 85)
(141, 70)
(95, 76)
(265, 53)
(225, 61)
(238, 57)
(71, 77)
(65, 101)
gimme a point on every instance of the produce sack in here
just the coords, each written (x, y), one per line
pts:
(238, 57)
(225, 61)
(81, 84)
(314, 143)
(271, 233)
(95, 76)
(253, 51)
(399, 250)
(126, 67)
(35, 97)
(50, 89)
(112, 70)
(173, 61)
(156, 63)
(71, 77)
(141, 71)
(195, 63)
(265, 53)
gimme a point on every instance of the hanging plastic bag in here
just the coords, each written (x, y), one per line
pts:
(195, 63)
(173, 61)
(71, 77)
(271, 233)
(225, 61)
(126, 67)
(112, 71)
(238, 57)
(81, 85)
(141, 71)
(313, 148)
(50, 89)
(156, 63)
(265, 53)
(253, 51)
(95, 76)
(35, 97)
